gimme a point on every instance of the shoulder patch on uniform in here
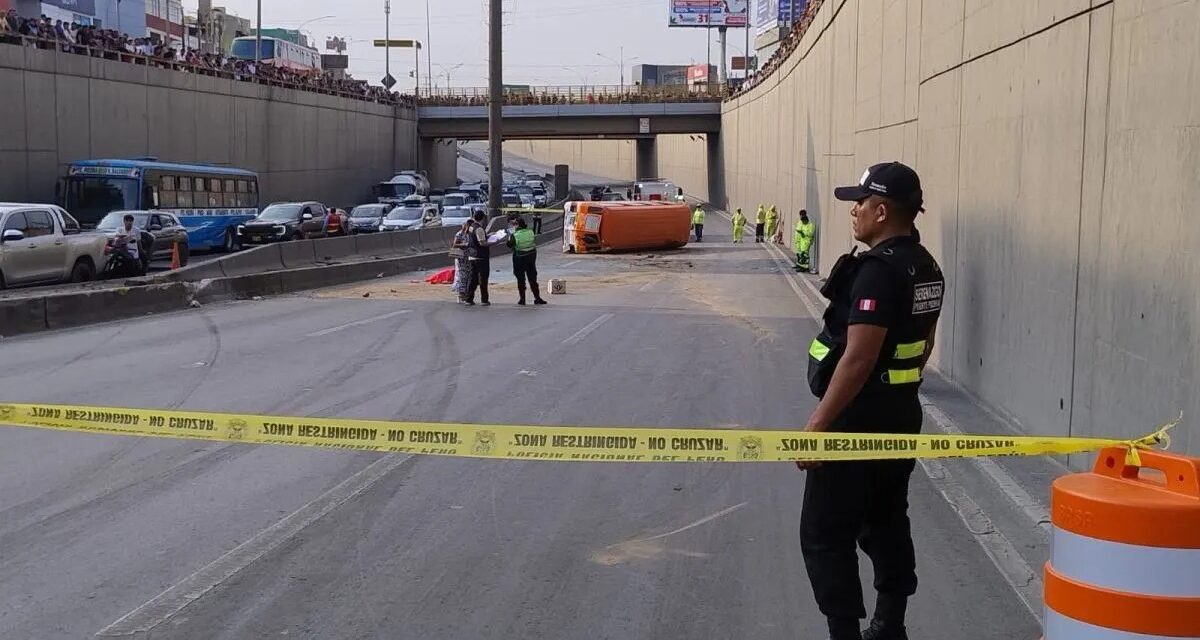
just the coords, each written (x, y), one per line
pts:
(927, 297)
(866, 304)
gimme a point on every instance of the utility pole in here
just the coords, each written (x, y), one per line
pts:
(387, 37)
(722, 46)
(258, 39)
(747, 72)
(428, 49)
(495, 106)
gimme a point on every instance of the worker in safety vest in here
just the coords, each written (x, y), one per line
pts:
(698, 224)
(772, 221)
(739, 225)
(805, 232)
(760, 223)
(524, 245)
(866, 367)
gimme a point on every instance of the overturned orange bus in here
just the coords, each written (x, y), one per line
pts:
(590, 227)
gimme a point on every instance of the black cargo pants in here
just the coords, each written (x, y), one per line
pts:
(864, 504)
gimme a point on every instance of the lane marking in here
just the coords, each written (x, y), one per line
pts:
(1024, 581)
(586, 331)
(706, 519)
(567, 264)
(1033, 508)
(650, 285)
(356, 323)
(170, 602)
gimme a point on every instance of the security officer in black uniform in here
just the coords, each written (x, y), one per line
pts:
(865, 366)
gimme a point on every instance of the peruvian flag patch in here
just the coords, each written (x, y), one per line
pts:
(866, 304)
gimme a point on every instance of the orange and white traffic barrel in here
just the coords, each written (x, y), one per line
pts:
(1125, 560)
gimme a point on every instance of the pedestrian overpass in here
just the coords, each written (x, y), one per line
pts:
(540, 114)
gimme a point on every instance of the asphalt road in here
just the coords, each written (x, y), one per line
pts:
(176, 539)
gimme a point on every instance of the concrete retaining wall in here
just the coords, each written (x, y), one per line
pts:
(1057, 142)
(614, 159)
(61, 107)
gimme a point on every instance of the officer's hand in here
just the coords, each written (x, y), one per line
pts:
(805, 465)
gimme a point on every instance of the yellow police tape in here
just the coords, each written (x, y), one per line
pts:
(547, 443)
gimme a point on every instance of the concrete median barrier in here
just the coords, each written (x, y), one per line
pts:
(404, 241)
(22, 315)
(372, 245)
(300, 253)
(90, 307)
(256, 260)
(334, 249)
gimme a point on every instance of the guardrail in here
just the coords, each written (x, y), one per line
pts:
(104, 53)
(577, 94)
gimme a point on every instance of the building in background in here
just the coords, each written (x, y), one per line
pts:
(126, 16)
(701, 74)
(215, 28)
(164, 22)
(652, 75)
(291, 35)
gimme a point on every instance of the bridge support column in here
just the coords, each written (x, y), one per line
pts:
(716, 171)
(646, 161)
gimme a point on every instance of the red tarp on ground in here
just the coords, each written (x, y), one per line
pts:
(445, 276)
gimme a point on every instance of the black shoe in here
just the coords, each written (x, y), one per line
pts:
(521, 302)
(485, 304)
(539, 301)
(877, 632)
(469, 303)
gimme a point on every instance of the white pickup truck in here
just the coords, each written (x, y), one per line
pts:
(41, 244)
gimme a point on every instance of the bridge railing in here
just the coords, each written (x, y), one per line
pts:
(262, 77)
(576, 94)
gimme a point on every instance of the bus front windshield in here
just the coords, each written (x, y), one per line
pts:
(244, 49)
(89, 199)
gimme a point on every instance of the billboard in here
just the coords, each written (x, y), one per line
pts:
(86, 7)
(709, 13)
(698, 73)
(769, 14)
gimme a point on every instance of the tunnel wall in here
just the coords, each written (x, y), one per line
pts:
(614, 159)
(1058, 143)
(60, 107)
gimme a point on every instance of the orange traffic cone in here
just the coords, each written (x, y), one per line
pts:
(175, 260)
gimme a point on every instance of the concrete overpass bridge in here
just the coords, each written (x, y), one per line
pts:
(589, 114)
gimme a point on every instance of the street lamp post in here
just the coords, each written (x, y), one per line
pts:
(387, 37)
(429, 48)
(620, 63)
(446, 72)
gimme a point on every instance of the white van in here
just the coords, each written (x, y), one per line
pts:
(664, 190)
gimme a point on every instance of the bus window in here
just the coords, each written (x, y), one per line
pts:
(185, 184)
(229, 186)
(199, 184)
(243, 186)
(184, 198)
(149, 196)
(166, 189)
(230, 199)
(214, 185)
(214, 199)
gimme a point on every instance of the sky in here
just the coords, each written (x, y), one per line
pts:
(546, 42)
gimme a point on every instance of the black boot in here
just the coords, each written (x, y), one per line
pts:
(844, 629)
(537, 294)
(888, 621)
(521, 290)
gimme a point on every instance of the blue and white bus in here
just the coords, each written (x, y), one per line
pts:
(210, 201)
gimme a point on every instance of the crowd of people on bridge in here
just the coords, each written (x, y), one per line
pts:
(786, 47)
(576, 95)
(110, 44)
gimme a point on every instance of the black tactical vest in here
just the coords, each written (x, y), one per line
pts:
(902, 359)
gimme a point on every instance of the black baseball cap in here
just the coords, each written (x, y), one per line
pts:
(893, 180)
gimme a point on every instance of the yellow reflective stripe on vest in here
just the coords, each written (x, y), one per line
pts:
(902, 376)
(910, 350)
(817, 350)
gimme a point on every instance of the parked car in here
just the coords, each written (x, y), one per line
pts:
(161, 231)
(510, 201)
(42, 244)
(282, 221)
(612, 196)
(367, 218)
(540, 197)
(413, 213)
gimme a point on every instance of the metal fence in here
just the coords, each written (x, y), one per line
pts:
(374, 95)
(577, 94)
